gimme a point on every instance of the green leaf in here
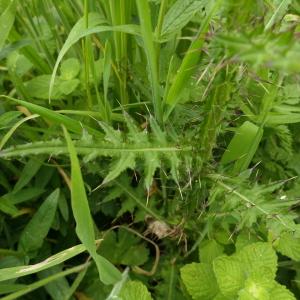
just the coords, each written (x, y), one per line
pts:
(37, 228)
(180, 13)
(69, 69)
(209, 250)
(289, 245)
(8, 117)
(254, 291)
(7, 18)
(71, 124)
(84, 222)
(243, 146)
(280, 10)
(7, 207)
(126, 161)
(199, 280)
(57, 289)
(29, 171)
(134, 290)
(128, 249)
(38, 87)
(79, 31)
(147, 35)
(258, 257)
(190, 60)
(68, 87)
(229, 274)
(245, 239)
(58, 258)
(280, 292)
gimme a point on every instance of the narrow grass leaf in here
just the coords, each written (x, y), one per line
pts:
(54, 117)
(29, 171)
(243, 146)
(7, 19)
(190, 61)
(58, 258)
(37, 229)
(10, 132)
(84, 222)
(278, 13)
(180, 13)
(147, 35)
(79, 31)
(31, 287)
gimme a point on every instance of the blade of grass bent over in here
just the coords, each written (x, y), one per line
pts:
(57, 118)
(84, 223)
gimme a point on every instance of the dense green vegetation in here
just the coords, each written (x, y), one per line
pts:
(149, 149)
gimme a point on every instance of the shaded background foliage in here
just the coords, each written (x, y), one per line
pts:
(159, 128)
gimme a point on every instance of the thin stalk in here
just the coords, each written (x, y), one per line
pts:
(161, 14)
(86, 55)
(147, 35)
(189, 63)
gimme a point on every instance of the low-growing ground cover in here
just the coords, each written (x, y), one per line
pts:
(149, 149)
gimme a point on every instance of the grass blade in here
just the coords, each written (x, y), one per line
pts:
(189, 62)
(36, 230)
(147, 35)
(40, 283)
(79, 31)
(16, 272)
(243, 146)
(7, 19)
(84, 222)
(55, 117)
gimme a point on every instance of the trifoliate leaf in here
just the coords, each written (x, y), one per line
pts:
(200, 281)
(127, 160)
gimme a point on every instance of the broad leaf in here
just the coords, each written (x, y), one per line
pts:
(229, 274)
(200, 281)
(134, 290)
(37, 229)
